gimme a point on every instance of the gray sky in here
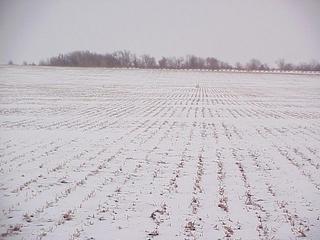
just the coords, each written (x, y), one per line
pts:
(231, 30)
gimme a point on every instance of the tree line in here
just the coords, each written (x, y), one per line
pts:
(126, 59)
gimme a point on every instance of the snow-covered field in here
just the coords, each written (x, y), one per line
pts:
(150, 154)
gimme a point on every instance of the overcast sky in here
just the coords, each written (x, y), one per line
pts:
(231, 30)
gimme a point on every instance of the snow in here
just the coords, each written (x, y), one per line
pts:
(158, 154)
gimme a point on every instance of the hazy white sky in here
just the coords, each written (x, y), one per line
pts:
(231, 30)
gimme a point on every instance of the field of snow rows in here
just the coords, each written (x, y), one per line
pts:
(158, 154)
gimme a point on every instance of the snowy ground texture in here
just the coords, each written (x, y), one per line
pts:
(148, 154)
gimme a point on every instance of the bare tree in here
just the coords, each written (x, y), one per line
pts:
(212, 63)
(281, 64)
(239, 66)
(163, 62)
(254, 64)
(148, 62)
(127, 59)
